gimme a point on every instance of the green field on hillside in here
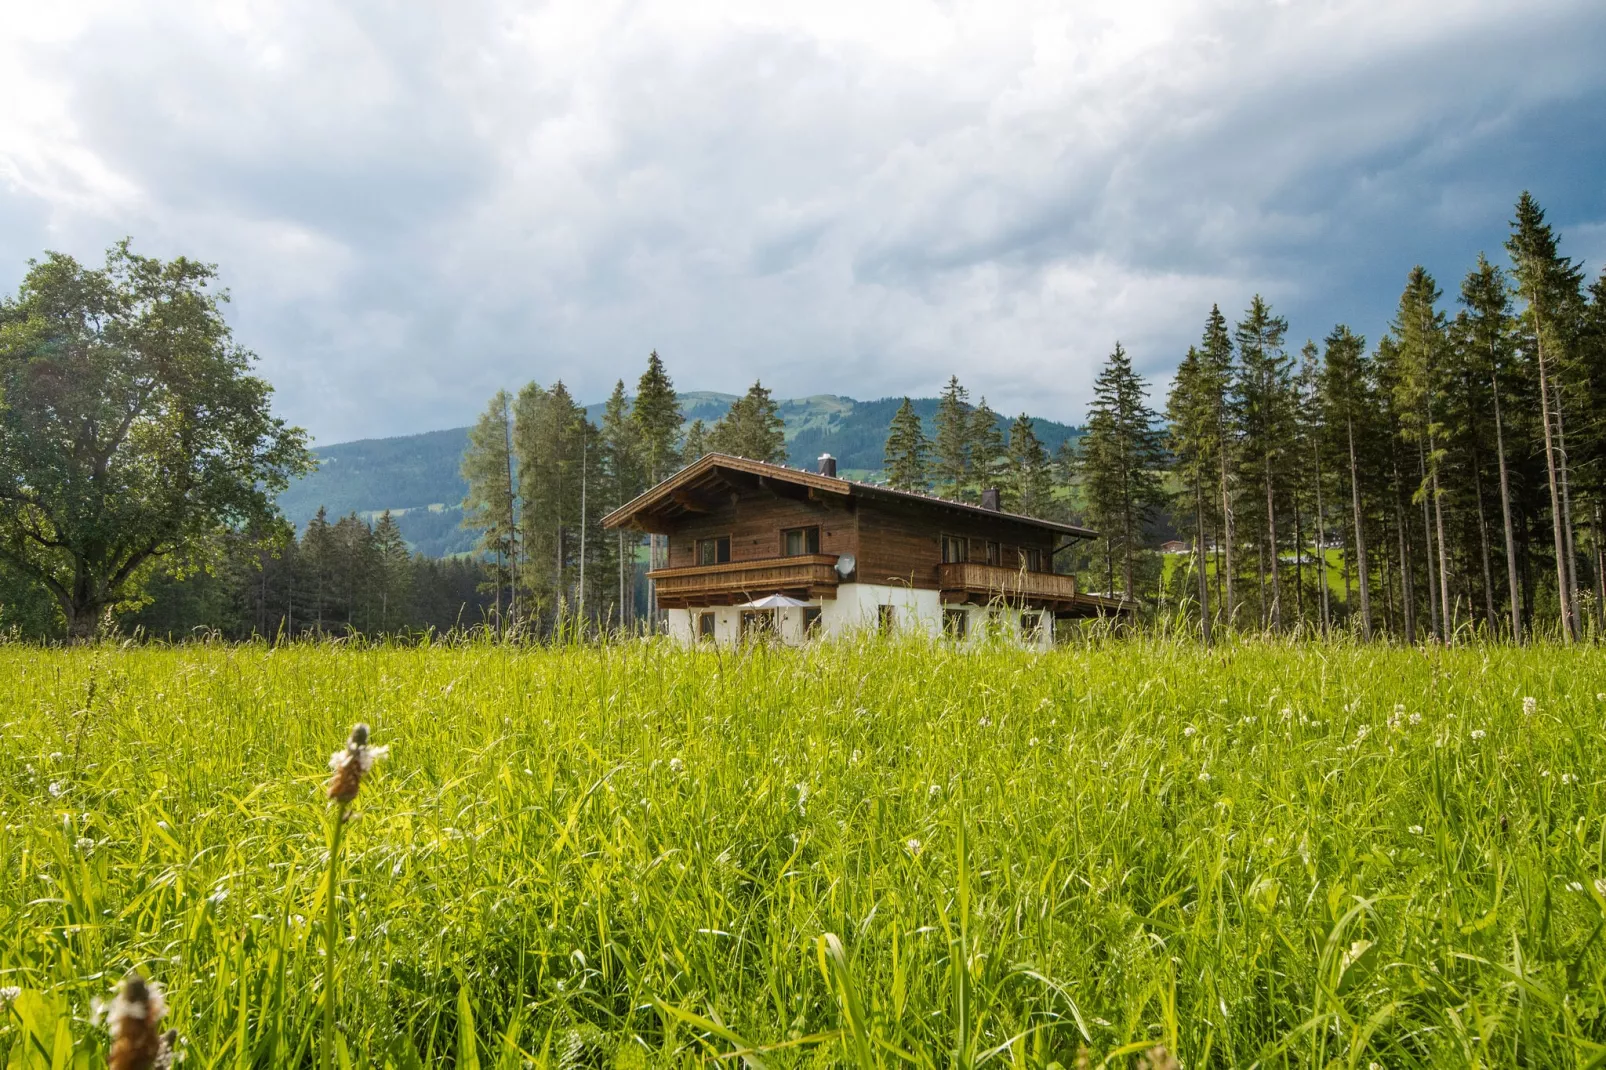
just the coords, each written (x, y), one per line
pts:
(876, 854)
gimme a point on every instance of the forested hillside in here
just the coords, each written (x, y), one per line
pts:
(418, 477)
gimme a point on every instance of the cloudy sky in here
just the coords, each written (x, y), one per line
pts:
(414, 204)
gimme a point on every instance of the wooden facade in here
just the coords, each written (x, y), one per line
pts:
(739, 530)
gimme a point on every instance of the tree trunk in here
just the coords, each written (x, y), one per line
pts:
(1556, 515)
(1199, 560)
(1407, 594)
(1483, 541)
(1444, 557)
(1505, 514)
(1275, 614)
(1231, 615)
(1567, 519)
(1321, 546)
(1427, 536)
(1360, 533)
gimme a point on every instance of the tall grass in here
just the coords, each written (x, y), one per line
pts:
(885, 854)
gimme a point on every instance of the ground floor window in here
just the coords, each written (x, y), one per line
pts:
(758, 623)
(811, 621)
(886, 619)
(705, 625)
(955, 623)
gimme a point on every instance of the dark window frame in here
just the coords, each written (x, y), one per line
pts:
(946, 542)
(707, 624)
(722, 550)
(810, 537)
(955, 623)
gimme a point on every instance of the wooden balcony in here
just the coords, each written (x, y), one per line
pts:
(805, 576)
(972, 582)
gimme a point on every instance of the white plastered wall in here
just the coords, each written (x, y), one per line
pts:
(857, 607)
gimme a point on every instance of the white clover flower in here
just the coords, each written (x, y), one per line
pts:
(56, 756)
(57, 789)
(1190, 731)
(1544, 774)
(1362, 732)
(9, 994)
(933, 791)
(677, 766)
(84, 845)
(1529, 705)
(1416, 830)
(914, 847)
(1477, 734)
(856, 755)
(1415, 718)
(1032, 742)
(1204, 776)
(1569, 778)
(985, 722)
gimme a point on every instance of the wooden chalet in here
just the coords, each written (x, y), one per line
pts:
(757, 546)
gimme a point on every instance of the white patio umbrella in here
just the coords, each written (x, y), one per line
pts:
(772, 601)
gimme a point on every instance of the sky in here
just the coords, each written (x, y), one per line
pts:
(413, 205)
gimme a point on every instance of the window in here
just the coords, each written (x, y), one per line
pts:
(886, 619)
(1029, 623)
(705, 625)
(811, 621)
(798, 541)
(758, 624)
(715, 551)
(955, 623)
(954, 550)
(992, 554)
(1031, 559)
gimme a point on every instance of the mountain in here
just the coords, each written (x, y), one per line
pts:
(416, 477)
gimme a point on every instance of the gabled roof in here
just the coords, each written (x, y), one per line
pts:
(678, 495)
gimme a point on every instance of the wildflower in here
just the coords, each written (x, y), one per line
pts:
(9, 994)
(1396, 718)
(1569, 778)
(1190, 731)
(1529, 705)
(677, 766)
(985, 722)
(1032, 742)
(1362, 732)
(1416, 830)
(56, 756)
(1544, 774)
(1204, 776)
(914, 847)
(1477, 734)
(131, 1019)
(1415, 718)
(83, 845)
(351, 764)
(934, 791)
(857, 754)
(57, 789)
(1574, 886)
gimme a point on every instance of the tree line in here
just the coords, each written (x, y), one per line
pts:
(1452, 476)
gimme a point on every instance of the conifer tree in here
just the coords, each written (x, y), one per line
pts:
(696, 441)
(1215, 375)
(1312, 438)
(1263, 398)
(1191, 411)
(620, 445)
(1548, 285)
(656, 414)
(393, 572)
(1028, 474)
(951, 444)
(1345, 411)
(752, 428)
(1121, 458)
(986, 448)
(491, 505)
(906, 451)
(1419, 334)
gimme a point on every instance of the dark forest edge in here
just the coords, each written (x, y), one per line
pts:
(1448, 482)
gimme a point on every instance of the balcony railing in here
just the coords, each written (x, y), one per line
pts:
(806, 575)
(966, 580)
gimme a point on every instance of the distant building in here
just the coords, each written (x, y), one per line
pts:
(762, 549)
(1175, 546)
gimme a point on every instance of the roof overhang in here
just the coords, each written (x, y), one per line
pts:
(697, 487)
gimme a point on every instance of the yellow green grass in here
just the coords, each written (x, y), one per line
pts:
(858, 854)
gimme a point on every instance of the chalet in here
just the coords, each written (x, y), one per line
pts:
(763, 548)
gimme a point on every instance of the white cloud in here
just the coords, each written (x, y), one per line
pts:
(851, 197)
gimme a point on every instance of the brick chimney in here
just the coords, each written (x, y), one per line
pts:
(989, 499)
(827, 465)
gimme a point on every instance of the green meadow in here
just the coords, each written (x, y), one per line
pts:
(859, 854)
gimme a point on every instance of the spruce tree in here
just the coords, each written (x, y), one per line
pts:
(1215, 375)
(1191, 411)
(656, 414)
(1420, 341)
(1263, 397)
(1028, 485)
(906, 451)
(1548, 284)
(951, 444)
(394, 571)
(1345, 411)
(1121, 458)
(696, 444)
(491, 505)
(752, 428)
(987, 457)
(622, 467)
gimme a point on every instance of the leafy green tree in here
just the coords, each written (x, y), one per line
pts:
(1122, 456)
(1028, 473)
(752, 428)
(132, 432)
(1549, 286)
(951, 443)
(492, 504)
(907, 450)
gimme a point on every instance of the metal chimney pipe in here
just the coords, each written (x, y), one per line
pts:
(827, 465)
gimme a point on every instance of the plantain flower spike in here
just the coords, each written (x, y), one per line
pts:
(131, 1019)
(351, 764)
